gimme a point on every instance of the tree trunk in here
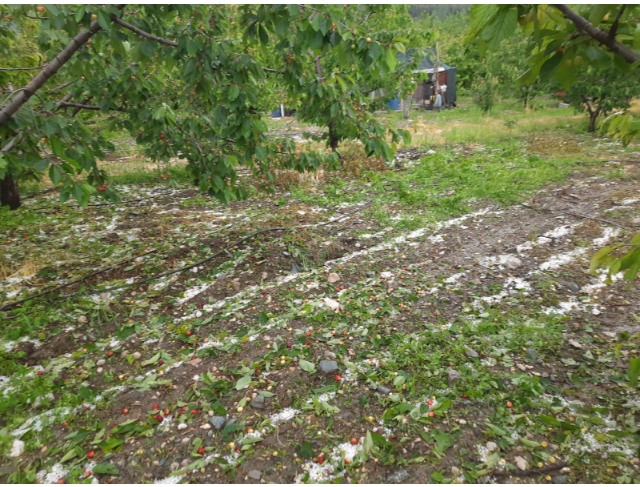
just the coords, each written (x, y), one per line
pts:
(9, 195)
(592, 120)
(333, 137)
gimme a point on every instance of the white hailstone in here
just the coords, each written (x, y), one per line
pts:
(137, 355)
(17, 448)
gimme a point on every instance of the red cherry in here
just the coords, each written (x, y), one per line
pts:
(61, 481)
(160, 362)
(65, 424)
(354, 441)
(169, 306)
(201, 451)
(320, 459)
(263, 292)
(308, 333)
(109, 353)
(156, 407)
(139, 134)
(193, 357)
(288, 345)
(307, 343)
(159, 418)
(194, 411)
(237, 450)
(338, 378)
(199, 306)
(429, 402)
(188, 333)
(40, 372)
(125, 411)
(167, 411)
(91, 454)
(162, 136)
(258, 371)
(431, 414)
(509, 404)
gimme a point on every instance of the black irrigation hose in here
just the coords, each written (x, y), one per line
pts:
(10, 306)
(175, 271)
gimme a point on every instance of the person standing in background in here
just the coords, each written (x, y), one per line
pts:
(438, 101)
(443, 90)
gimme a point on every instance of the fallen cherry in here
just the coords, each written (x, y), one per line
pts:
(288, 345)
(160, 362)
(201, 451)
(431, 414)
(354, 441)
(40, 372)
(258, 371)
(167, 411)
(199, 306)
(188, 333)
(338, 378)
(91, 454)
(159, 418)
(430, 402)
(65, 424)
(320, 459)
(156, 407)
(193, 357)
(307, 343)
(61, 481)
(237, 450)
(194, 411)
(509, 404)
(125, 411)
(109, 353)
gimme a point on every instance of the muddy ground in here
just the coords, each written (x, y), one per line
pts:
(473, 349)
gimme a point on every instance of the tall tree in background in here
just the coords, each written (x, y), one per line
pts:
(598, 92)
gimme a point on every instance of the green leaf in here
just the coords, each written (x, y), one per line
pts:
(104, 21)
(152, 360)
(634, 371)
(243, 383)
(307, 366)
(437, 477)
(306, 450)
(234, 91)
(148, 48)
(392, 60)
(398, 381)
(69, 455)
(368, 442)
(192, 47)
(106, 469)
(266, 393)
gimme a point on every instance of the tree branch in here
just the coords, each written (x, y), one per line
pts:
(114, 18)
(616, 23)
(597, 34)
(82, 106)
(22, 69)
(11, 144)
(50, 70)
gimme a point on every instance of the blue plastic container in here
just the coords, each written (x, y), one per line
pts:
(394, 104)
(276, 114)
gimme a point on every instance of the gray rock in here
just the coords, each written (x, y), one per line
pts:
(345, 415)
(255, 474)
(162, 461)
(553, 377)
(258, 402)
(561, 479)
(531, 354)
(329, 355)
(384, 390)
(453, 376)
(573, 287)
(328, 366)
(399, 476)
(471, 353)
(218, 422)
